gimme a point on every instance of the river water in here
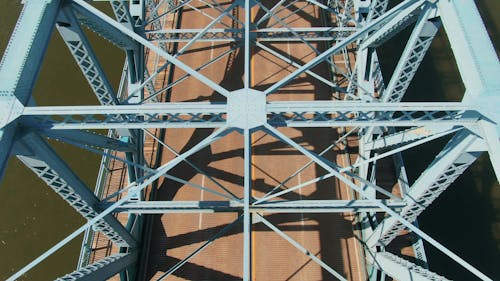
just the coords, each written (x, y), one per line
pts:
(466, 218)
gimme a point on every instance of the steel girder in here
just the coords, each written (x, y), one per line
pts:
(453, 160)
(37, 155)
(20, 66)
(437, 118)
(401, 269)
(102, 269)
(108, 32)
(302, 206)
(89, 139)
(261, 35)
(81, 50)
(290, 114)
(416, 48)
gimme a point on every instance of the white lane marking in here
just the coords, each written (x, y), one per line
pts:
(289, 52)
(302, 242)
(299, 178)
(212, 51)
(200, 217)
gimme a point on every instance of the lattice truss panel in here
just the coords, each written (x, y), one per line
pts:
(266, 119)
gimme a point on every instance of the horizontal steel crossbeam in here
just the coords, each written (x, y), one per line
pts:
(102, 269)
(264, 34)
(338, 114)
(291, 114)
(302, 206)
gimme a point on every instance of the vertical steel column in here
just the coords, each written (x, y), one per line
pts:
(37, 155)
(102, 269)
(453, 160)
(82, 52)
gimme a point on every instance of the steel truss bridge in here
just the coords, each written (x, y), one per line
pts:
(363, 102)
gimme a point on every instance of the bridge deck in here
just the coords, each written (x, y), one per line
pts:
(329, 236)
(172, 237)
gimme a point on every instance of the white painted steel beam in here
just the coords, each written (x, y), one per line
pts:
(377, 8)
(104, 20)
(261, 35)
(404, 137)
(405, 7)
(401, 269)
(478, 65)
(85, 57)
(453, 160)
(20, 65)
(37, 155)
(413, 54)
(391, 28)
(291, 114)
(131, 189)
(334, 169)
(109, 32)
(89, 139)
(102, 269)
(278, 206)
(474, 53)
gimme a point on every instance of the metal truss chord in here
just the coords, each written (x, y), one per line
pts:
(264, 34)
(82, 52)
(390, 29)
(402, 269)
(122, 13)
(108, 32)
(90, 139)
(378, 8)
(334, 114)
(181, 118)
(109, 22)
(381, 23)
(37, 155)
(345, 34)
(413, 54)
(102, 269)
(151, 8)
(301, 206)
(291, 114)
(453, 160)
(20, 65)
(403, 137)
